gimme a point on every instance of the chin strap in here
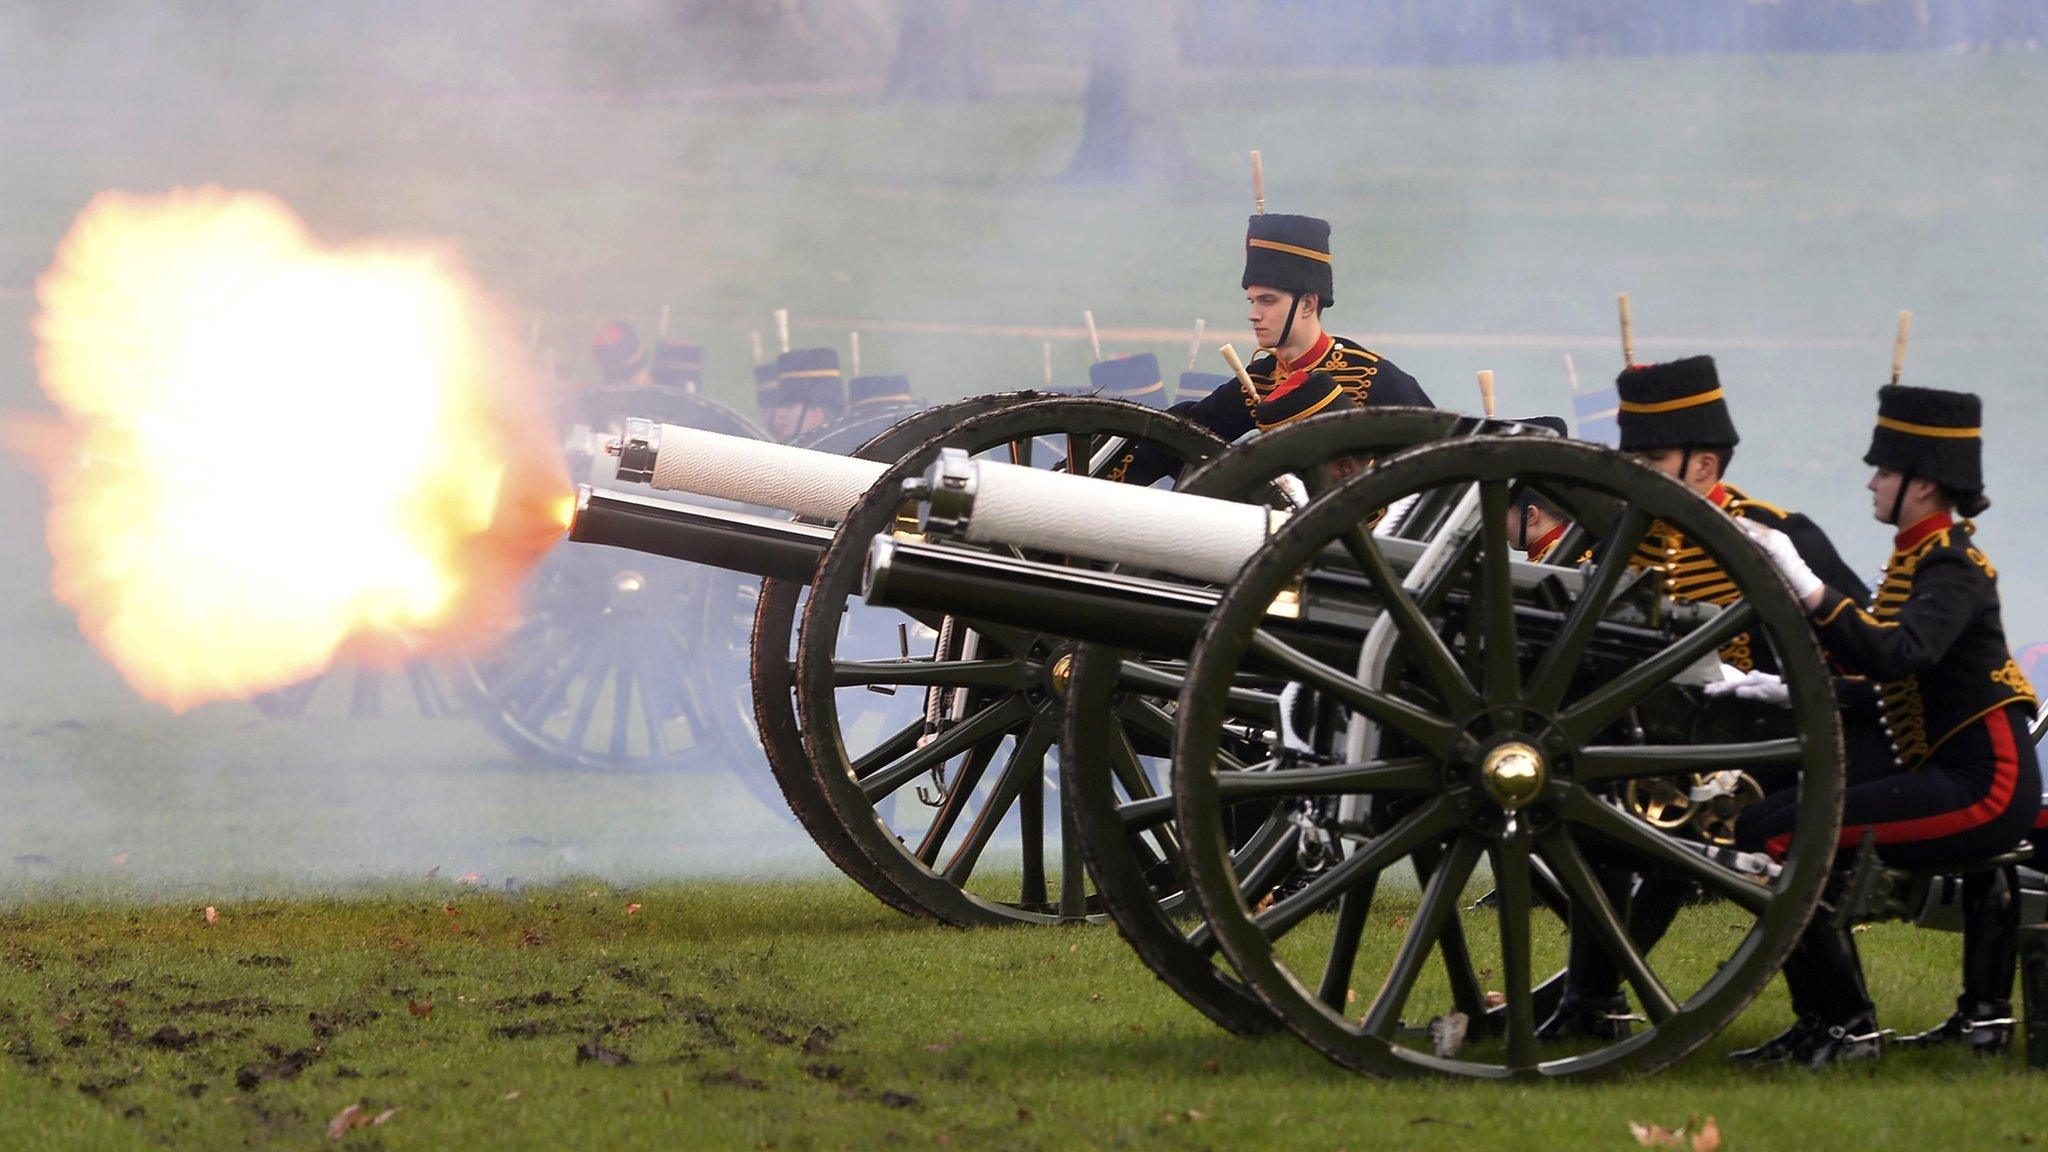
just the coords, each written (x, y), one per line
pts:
(1899, 499)
(1286, 330)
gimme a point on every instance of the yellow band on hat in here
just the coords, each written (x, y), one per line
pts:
(808, 372)
(1934, 430)
(1671, 405)
(1305, 413)
(1290, 249)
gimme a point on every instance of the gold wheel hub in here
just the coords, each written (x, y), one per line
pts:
(1061, 671)
(1514, 774)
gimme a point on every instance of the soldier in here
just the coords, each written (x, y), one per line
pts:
(1674, 418)
(877, 393)
(1134, 378)
(1289, 282)
(616, 351)
(1535, 525)
(1961, 783)
(808, 392)
(677, 364)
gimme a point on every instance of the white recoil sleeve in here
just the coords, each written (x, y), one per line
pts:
(1193, 536)
(820, 485)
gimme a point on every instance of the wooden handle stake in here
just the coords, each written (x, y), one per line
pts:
(1899, 345)
(853, 338)
(1486, 392)
(1258, 183)
(1094, 338)
(1571, 372)
(1628, 331)
(1195, 345)
(1244, 378)
(1045, 357)
(661, 333)
(757, 348)
(782, 328)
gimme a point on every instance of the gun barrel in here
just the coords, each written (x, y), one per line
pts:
(673, 458)
(716, 537)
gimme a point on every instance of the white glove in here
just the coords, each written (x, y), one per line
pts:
(1784, 557)
(1759, 686)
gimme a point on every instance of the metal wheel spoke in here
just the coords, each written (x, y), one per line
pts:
(1438, 905)
(1352, 910)
(1553, 675)
(1020, 451)
(1592, 911)
(622, 703)
(1403, 774)
(1515, 906)
(1024, 763)
(1001, 674)
(593, 686)
(1654, 847)
(1630, 761)
(536, 710)
(1152, 811)
(1428, 648)
(1073, 874)
(972, 767)
(1253, 883)
(895, 744)
(651, 718)
(1147, 810)
(1601, 708)
(1165, 682)
(1497, 598)
(1080, 450)
(992, 722)
(1433, 733)
(1463, 553)
(1031, 835)
(1425, 823)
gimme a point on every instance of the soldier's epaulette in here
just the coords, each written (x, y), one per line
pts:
(1745, 505)
(1350, 345)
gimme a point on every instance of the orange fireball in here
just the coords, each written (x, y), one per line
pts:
(278, 449)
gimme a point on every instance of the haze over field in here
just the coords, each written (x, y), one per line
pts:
(1773, 209)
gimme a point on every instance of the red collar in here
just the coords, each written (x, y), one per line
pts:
(1928, 526)
(1310, 358)
(1719, 495)
(1541, 546)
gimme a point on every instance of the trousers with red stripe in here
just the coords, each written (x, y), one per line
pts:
(1978, 795)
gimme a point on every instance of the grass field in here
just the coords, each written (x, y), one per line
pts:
(1774, 211)
(797, 1015)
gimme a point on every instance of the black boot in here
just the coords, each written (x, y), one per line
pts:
(1853, 1040)
(1983, 1017)
(1799, 982)
(1593, 1006)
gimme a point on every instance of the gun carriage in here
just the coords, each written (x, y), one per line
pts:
(1322, 740)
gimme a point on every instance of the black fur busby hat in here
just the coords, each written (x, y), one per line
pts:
(1291, 253)
(877, 391)
(1195, 385)
(1677, 404)
(810, 376)
(1525, 496)
(764, 383)
(616, 348)
(1134, 378)
(677, 364)
(1932, 433)
(1553, 423)
(1301, 398)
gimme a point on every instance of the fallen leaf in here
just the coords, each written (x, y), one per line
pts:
(1707, 1137)
(119, 858)
(419, 1008)
(381, 1117)
(1351, 995)
(1400, 921)
(1494, 999)
(1212, 1067)
(470, 878)
(433, 872)
(211, 914)
(664, 1097)
(349, 1117)
(1095, 997)
(512, 1095)
(1137, 1029)
(1073, 947)
(451, 909)
(632, 909)
(1196, 1115)
(1023, 1113)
